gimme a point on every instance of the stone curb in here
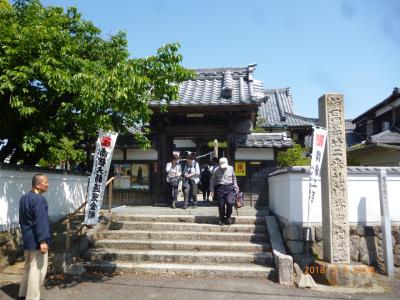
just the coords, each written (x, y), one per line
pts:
(283, 262)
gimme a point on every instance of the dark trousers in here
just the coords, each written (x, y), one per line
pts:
(191, 190)
(225, 197)
(206, 191)
(173, 192)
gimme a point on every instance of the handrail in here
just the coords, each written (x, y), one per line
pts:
(110, 192)
(71, 215)
(67, 219)
(110, 180)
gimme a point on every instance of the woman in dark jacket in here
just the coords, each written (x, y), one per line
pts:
(205, 177)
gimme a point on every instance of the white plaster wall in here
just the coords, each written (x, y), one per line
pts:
(184, 143)
(254, 154)
(286, 194)
(288, 198)
(279, 195)
(118, 154)
(66, 193)
(139, 154)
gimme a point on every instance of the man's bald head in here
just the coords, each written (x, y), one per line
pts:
(38, 178)
(40, 183)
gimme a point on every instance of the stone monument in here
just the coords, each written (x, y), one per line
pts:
(336, 242)
(336, 268)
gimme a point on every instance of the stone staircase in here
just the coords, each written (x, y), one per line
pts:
(184, 244)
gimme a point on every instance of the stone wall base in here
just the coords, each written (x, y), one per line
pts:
(342, 274)
(366, 244)
(11, 247)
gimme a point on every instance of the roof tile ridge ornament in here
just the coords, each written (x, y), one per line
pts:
(227, 85)
(290, 98)
(279, 90)
(250, 77)
(241, 89)
(282, 115)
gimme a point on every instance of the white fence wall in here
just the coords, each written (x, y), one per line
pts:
(288, 195)
(66, 193)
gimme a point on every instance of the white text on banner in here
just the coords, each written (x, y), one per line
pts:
(101, 165)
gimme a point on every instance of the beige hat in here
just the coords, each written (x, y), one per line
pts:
(223, 162)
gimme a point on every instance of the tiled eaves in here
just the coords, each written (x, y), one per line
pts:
(389, 136)
(260, 140)
(219, 86)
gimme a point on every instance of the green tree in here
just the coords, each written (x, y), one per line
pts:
(294, 156)
(59, 78)
(63, 152)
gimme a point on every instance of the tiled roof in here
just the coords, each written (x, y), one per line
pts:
(370, 112)
(263, 140)
(296, 120)
(220, 86)
(352, 137)
(278, 110)
(388, 136)
(349, 126)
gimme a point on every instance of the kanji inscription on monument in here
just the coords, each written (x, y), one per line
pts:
(335, 226)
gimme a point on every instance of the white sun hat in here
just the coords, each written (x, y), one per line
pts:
(223, 162)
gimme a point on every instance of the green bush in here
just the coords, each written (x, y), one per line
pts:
(294, 156)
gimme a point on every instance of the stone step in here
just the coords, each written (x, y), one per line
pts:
(256, 204)
(182, 226)
(188, 219)
(182, 257)
(202, 210)
(183, 235)
(228, 270)
(182, 245)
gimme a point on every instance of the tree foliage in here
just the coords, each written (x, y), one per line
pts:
(65, 153)
(294, 156)
(60, 78)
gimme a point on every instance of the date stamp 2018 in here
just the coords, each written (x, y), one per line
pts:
(320, 270)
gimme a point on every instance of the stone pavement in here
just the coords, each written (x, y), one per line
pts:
(203, 209)
(135, 286)
(168, 286)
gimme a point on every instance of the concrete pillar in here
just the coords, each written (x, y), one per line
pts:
(336, 248)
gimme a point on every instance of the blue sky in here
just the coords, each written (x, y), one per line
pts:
(312, 46)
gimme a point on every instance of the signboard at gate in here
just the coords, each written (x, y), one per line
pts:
(101, 165)
(240, 168)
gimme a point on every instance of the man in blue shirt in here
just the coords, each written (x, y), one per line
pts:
(35, 227)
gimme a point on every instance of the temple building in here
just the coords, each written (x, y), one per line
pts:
(222, 104)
